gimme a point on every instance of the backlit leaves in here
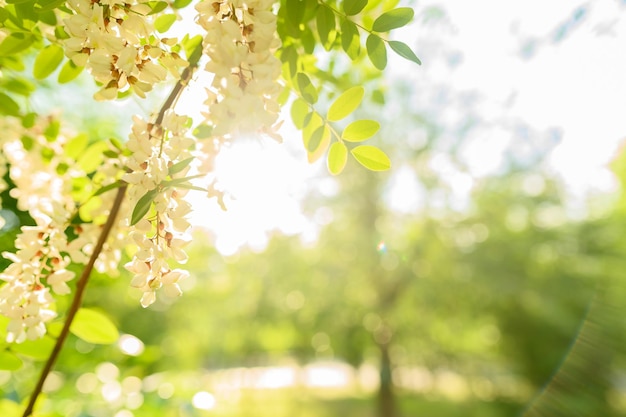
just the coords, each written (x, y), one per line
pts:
(337, 158)
(94, 327)
(48, 59)
(360, 130)
(345, 104)
(376, 51)
(393, 19)
(404, 51)
(352, 7)
(307, 90)
(350, 39)
(371, 158)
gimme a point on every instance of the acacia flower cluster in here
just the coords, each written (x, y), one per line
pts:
(43, 178)
(158, 165)
(115, 40)
(240, 42)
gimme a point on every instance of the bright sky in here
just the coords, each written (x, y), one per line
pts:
(534, 76)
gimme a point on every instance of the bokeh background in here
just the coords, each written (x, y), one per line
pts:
(482, 276)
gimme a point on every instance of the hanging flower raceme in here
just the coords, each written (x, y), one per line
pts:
(116, 42)
(43, 178)
(160, 160)
(240, 43)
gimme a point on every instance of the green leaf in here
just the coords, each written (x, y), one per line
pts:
(157, 6)
(306, 88)
(179, 4)
(47, 5)
(352, 7)
(299, 110)
(360, 130)
(371, 158)
(326, 25)
(9, 408)
(337, 158)
(376, 51)
(19, 86)
(91, 159)
(164, 22)
(404, 51)
(393, 19)
(179, 166)
(47, 61)
(350, 39)
(143, 206)
(189, 44)
(8, 106)
(345, 104)
(295, 11)
(203, 131)
(75, 146)
(16, 42)
(9, 361)
(94, 327)
(109, 187)
(316, 138)
(69, 71)
(36, 349)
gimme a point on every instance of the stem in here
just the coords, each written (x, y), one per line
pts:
(106, 230)
(77, 301)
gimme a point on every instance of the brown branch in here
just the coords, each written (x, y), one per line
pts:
(77, 301)
(106, 230)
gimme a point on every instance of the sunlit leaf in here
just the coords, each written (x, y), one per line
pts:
(179, 166)
(376, 51)
(76, 145)
(325, 20)
(337, 158)
(393, 19)
(164, 22)
(16, 42)
(299, 111)
(360, 130)
(48, 59)
(9, 361)
(91, 159)
(157, 6)
(69, 71)
(94, 327)
(404, 51)
(307, 134)
(8, 106)
(306, 88)
(350, 39)
(36, 349)
(352, 7)
(109, 187)
(9, 408)
(295, 11)
(316, 138)
(371, 158)
(143, 206)
(346, 103)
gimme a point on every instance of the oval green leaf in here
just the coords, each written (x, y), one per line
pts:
(9, 361)
(337, 158)
(143, 206)
(306, 88)
(299, 110)
(360, 130)
(8, 106)
(346, 103)
(47, 61)
(352, 7)
(393, 19)
(316, 139)
(404, 51)
(376, 51)
(69, 71)
(325, 20)
(16, 42)
(94, 327)
(371, 158)
(350, 39)
(164, 22)
(38, 350)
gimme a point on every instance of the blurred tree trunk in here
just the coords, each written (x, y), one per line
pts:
(386, 399)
